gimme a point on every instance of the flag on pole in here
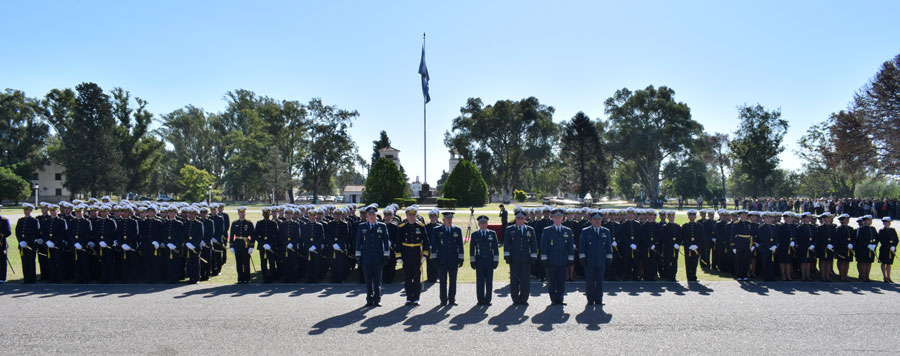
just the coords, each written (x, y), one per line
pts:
(423, 71)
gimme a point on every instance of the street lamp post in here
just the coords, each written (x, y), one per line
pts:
(36, 186)
(209, 194)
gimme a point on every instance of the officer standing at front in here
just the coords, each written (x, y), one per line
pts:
(484, 257)
(447, 249)
(519, 251)
(557, 252)
(241, 241)
(372, 251)
(595, 250)
(412, 240)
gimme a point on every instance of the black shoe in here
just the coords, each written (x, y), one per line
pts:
(368, 305)
(443, 303)
(453, 304)
(487, 304)
(376, 305)
(524, 304)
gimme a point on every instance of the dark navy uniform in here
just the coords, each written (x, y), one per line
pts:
(484, 256)
(80, 235)
(628, 236)
(519, 251)
(888, 239)
(372, 251)
(193, 235)
(595, 249)
(54, 232)
(866, 236)
(339, 231)
(447, 250)
(741, 240)
(692, 235)
(413, 244)
(806, 239)
(767, 239)
(28, 229)
(267, 235)
(106, 231)
(825, 237)
(557, 250)
(172, 264)
(44, 263)
(129, 233)
(787, 236)
(206, 248)
(290, 235)
(313, 236)
(843, 240)
(152, 234)
(5, 231)
(241, 239)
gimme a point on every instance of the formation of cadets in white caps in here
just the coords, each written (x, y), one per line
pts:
(147, 242)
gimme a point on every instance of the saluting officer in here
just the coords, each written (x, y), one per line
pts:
(241, 241)
(519, 251)
(413, 245)
(372, 252)
(595, 250)
(447, 249)
(484, 257)
(557, 252)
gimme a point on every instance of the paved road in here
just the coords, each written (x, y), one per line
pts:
(640, 318)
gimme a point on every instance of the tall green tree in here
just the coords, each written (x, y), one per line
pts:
(647, 127)
(756, 145)
(384, 183)
(583, 154)
(687, 176)
(466, 185)
(195, 183)
(90, 150)
(195, 138)
(513, 134)
(141, 152)
(879, 100)
(12, 186)
(247, 145)
(838, 152)
(22, 133)
(330, 147)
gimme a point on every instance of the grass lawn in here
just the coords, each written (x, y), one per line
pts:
(466, 273)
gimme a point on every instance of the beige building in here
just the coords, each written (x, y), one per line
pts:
(51, 179)
(353, 194)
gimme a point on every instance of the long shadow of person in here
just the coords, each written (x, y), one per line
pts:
(593, 316)
(431, 317)
(384, 320)
(553, 314)
(699, 288)
(473, 316)
(513, 315)
(502, 292)
(339, 321)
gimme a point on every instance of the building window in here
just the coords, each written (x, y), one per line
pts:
(59, 176)
(35, 176)
(58, 192)
(385, 156)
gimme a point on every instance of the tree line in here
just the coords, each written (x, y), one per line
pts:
(257, 148)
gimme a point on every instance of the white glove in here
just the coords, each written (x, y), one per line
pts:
(39, 241)
(693, 247)
(202, 243)
(50, 244)
(91, 244)
(155, 244)
(126, 247)
(614, 244)
(773, 248)
(214, 240)
(170, 246)
(633, 247)
(677, 246)
(734, 250)
(830, 247)
(359, 254)
(812, 247)
(336, 247)
(190, 246)
(23, 244)
(78, 246)
(893, 248)
(714, 239)
(312, 248)
(267, 247)
(290, 245)
(850, 246)
(752, 247)
(250, 251)
(103, 244)
(653, 247)
(115, 243)
(872, 247)
(793, 244)
(231, 249)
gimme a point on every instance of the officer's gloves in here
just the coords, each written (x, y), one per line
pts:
(39, 241)
(190, 246)
(267, 247)
(78, 246)
(872, 247)
(633, 246)
(23, 244)
(336, 247)
(155, 244)
(830, 247)
(231, 249)
(290, 246)
(850, 246)
(250, 251)
(202, 243)
(170, 246)
(311, 248)
(812, 247)
(793, 244)
(773, 248)
(614, 244)
(693, 247)
(103, 244)
(50, 244)
(126, 247)
(677, 246)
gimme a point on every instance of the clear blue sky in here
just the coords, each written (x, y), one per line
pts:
(806, 57)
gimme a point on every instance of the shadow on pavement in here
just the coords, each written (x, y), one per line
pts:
(553, 314)
(384, 320)
(817, 288)
(82, 290)
(592, 317)
(339, 321)
(513, 315)
(471, 317)
(433, 316)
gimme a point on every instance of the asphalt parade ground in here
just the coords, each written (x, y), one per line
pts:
(639, 318)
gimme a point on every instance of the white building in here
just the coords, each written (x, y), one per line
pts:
(454, 159)
(415, 187)
(51, 180)
(353, 194)
(390, 153)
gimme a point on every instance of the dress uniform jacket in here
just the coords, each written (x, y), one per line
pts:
(519, 244)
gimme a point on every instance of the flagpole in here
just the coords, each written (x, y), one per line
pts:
(424, 131)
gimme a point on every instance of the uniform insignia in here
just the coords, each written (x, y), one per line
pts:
(491, 238)
(455, 234)
(418, 232)
(529, 234)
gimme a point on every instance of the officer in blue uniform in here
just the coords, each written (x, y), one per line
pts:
(372, 251)
(447, 250)
(484, 257)
(595, 251)
(519, 251)
(557, 252)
